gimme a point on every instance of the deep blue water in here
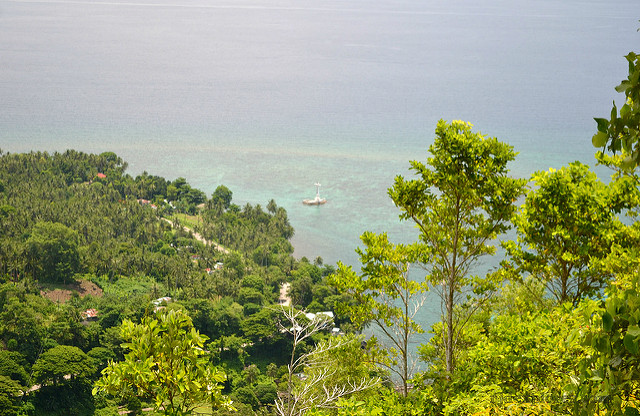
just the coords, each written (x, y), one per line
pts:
(270, 96)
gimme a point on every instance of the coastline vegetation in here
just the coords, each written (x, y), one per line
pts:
(142, 295)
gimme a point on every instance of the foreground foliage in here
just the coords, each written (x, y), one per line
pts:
(609, 378)
(620, 134)
(329, 370)
(167, 363)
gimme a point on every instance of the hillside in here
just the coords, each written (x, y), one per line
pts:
(79, 234)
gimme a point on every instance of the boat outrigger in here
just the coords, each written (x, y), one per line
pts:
(317, 200)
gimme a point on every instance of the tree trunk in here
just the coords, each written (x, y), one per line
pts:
(450, 293)
(405, 345)
(449, 341)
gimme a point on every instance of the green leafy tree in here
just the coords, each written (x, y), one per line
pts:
(166, 362)
(261, 326)
(10, 390)
(566, 224)
(250, 295)
(53, 251)
(620, 135)
(247, 396)
(100, 357)
(519, 364)
(64, 376)
(21, 327)
(61, 363)
(609, 377)
(462, 200)
(385, 295)
(266, 392)
(301, 290)
(222, 197)
(230, 348)
(11, 365)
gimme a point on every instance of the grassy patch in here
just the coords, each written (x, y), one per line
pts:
(203, 410)
(141, 285)
(189, 221)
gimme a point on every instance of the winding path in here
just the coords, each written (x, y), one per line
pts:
(199, 237)
(284, 299)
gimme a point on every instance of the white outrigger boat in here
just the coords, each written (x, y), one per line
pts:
(317, 200)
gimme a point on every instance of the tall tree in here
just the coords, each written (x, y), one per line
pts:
(53, 250)
(222, 197)
(167, 362)
(566, 224)
(385, 295)
(462, 200)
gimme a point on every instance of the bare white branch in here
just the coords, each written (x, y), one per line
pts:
(313, 392)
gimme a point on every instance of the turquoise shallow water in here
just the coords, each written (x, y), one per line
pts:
(270, 96)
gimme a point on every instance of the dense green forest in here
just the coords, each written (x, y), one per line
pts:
(80, 235)
(142, 295)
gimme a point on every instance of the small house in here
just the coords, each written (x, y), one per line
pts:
(90, 315)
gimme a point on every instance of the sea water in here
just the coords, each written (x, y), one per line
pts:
(269, 97)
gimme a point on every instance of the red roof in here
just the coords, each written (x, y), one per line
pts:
(101, 175)
(90, 313)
